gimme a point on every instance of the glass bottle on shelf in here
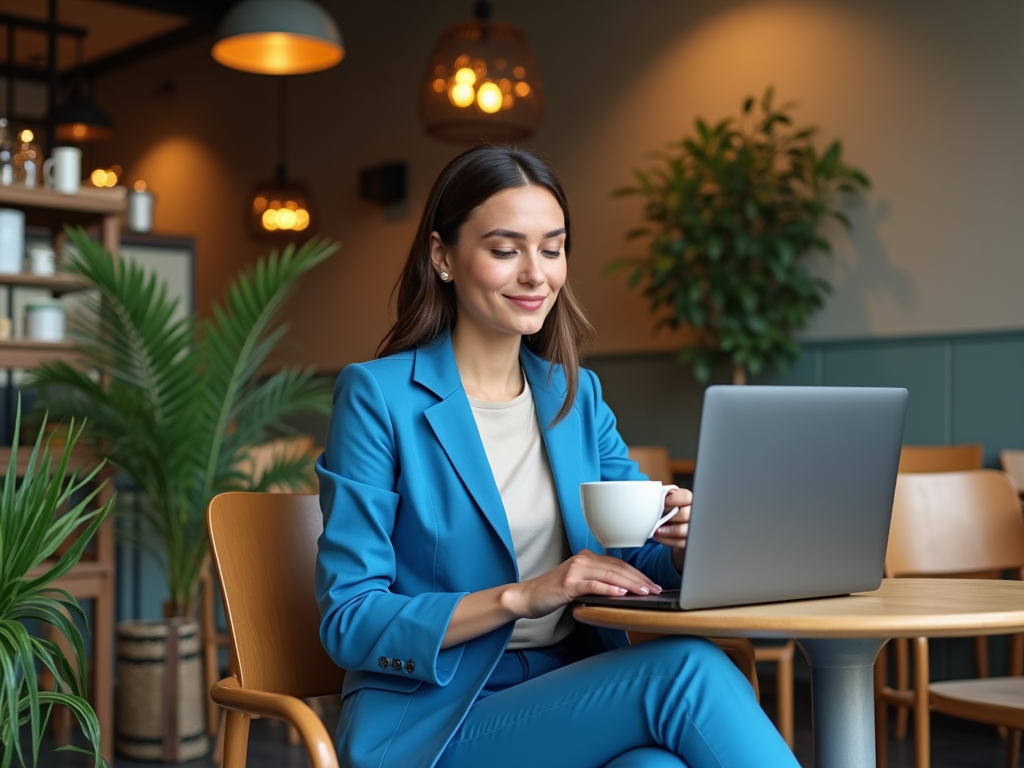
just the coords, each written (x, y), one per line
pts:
(28, 160)
(6, 154)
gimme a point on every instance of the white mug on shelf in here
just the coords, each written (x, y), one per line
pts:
(12, 240)
(44, 321)
(63, 171)
(41, 260)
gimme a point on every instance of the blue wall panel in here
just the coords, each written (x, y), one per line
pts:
(918, 366)
(988, 394)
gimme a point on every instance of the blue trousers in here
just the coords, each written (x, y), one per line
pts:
(674, 702)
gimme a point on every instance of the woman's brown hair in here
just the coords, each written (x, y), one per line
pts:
(426, 306)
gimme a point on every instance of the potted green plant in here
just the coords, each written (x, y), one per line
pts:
(733, 215)
(181, 404)
(33, 529)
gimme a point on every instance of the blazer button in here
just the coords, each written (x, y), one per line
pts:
(396, 664)
(410, 667)
(384, 662)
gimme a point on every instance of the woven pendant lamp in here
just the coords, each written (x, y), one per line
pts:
(481, 83)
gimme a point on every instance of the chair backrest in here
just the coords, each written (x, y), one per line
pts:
(941, 458)
(950, 523)
(653, 461)
(1013, 465)
(264, 549)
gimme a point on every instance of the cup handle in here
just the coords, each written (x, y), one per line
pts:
(665, 491)
(48, 173)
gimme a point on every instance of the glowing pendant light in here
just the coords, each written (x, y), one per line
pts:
(278, 37)
(481, 83)
(281, 208)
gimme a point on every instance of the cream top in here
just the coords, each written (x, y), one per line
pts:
(512, 440)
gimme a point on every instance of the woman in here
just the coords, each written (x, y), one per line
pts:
(453, 536)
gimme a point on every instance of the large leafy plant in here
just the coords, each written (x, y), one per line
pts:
(33, 526)
(180, 403)
(733, 213)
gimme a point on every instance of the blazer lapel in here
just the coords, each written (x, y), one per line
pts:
(564, 445)
(455, 429)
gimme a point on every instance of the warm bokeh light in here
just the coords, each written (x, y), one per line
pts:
(26, 136)
(140, 186)
(508, 101)
(259, 204)
(105, 177)
(461, 94)
(79, 130)
(277, 53)
(489, 98)
(440, 85)
(287, 215)
(519, 72)
(522, 89)
(505, 84)
(465, 76)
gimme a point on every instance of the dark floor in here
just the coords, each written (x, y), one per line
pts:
(955, 743)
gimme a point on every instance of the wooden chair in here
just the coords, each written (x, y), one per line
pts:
(962, 524)
(264, 550)
(934, 458)
(1013, 465)
(256, 463)
(941, 458)
(654, 461)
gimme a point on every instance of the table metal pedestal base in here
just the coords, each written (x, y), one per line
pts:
(842, 696)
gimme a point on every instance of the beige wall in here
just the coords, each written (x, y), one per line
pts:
(927, 98)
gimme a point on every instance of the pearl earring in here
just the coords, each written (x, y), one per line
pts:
(445, 277)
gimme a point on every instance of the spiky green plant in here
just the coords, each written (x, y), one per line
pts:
(732, 215)
(182, 401)
(32, 527)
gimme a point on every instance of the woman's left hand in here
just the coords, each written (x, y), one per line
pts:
(672, 533)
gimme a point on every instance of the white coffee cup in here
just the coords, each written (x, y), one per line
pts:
(44, 321)
(625, 513)
(41, 260)
(63, 171)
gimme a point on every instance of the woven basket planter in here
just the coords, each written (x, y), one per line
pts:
(161, 698)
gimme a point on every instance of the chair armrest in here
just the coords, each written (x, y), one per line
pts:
(230, 695)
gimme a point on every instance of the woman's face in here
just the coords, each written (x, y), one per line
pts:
(509, 263)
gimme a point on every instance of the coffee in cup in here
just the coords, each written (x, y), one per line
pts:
(625, 513)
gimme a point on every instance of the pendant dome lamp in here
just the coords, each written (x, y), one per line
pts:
(79, 120)
(278, 37)
(481, 83)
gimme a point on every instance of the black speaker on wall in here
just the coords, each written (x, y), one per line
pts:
(384, 184)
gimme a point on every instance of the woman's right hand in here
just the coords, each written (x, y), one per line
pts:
(583, 574)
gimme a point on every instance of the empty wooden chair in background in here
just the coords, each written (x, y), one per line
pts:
(963, 524)
(941, 458)
(934, 458)
(1013, 465)
(654, 461)
(264, 552)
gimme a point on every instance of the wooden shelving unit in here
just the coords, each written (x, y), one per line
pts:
(91, 579)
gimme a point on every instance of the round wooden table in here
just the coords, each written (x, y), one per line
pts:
(841, 637)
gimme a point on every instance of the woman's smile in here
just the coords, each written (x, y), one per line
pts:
(529, 303)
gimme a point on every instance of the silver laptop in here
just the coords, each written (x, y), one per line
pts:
(792, 496)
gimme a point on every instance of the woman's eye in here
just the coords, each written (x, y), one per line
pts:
(552, 254)
(503, 254)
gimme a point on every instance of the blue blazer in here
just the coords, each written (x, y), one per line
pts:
(413, 521)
